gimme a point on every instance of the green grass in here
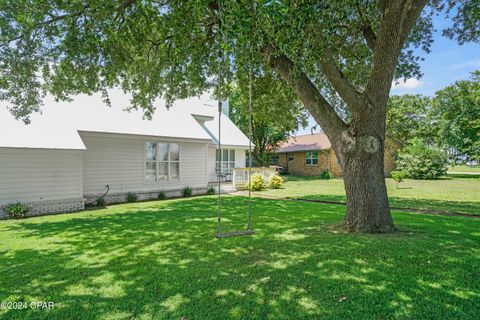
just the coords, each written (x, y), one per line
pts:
(160, 260)
(475, 169)
(451, 194)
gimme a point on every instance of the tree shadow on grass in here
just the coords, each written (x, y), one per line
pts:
(160, 260)
(422, 204)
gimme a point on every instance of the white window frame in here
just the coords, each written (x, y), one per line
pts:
(230, 163)
(309, 158)
(158, 161)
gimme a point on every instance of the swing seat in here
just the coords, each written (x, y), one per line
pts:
(234, 234)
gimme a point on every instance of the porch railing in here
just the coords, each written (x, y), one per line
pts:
(240, 176)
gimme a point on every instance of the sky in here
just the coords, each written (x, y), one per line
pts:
(446, 63)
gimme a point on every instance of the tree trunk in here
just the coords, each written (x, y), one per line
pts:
(368, 210)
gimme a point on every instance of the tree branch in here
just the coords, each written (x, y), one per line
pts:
(411, 19)
(398, 19)
(367, 30)
(369, 35)
(46, 23)
(315, 103)
(339, 81)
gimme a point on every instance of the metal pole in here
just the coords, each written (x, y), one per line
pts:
(250, 134)
(219, 92)
(219, 173)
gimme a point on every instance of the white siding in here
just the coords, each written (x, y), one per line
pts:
(39, 174)
(119, 161)
(240, 158)
(212, 175)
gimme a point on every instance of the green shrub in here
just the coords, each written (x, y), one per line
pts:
(398, 176)
(100, 202)
(162, 195)
(131, 197)
(275, 181)
(17, 210)
(419, 161)
(256, 182)
(326, 174)
(187, 192)
(211, 190)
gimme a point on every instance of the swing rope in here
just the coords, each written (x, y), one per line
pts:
(249, 229)
(250, 135)
(219, 172)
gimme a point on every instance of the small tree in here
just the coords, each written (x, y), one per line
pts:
(398, 177)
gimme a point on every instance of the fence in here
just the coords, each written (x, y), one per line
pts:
(240, 176)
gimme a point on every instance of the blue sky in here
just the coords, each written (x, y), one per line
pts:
(446, 63)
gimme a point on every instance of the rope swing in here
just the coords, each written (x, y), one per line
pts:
(249, 229)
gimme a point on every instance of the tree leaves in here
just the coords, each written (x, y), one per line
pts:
(169, 49)
(276, 113)
(457, 112)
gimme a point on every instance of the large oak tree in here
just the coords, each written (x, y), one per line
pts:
(324, 50)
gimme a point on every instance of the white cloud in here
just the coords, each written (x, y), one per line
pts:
(408, 84)
(472, 63)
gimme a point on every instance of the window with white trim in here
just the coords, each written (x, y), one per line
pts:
(311, 158)
(225, 160)
(162, 161)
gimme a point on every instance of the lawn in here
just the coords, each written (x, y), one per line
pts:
(450, 194)
(474, 169)
(160, 260)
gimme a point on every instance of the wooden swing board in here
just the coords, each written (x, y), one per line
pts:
(234, 234)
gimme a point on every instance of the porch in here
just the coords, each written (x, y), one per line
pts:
(238, 179)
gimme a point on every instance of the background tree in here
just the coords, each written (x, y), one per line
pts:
(408, 117)
(349, 48)
(276, 114)
(456, 109)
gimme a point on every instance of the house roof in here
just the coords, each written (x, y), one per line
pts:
(316, 141)
(231, 135)
(308, 142)
(58, 125)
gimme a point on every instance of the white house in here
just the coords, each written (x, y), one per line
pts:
(69, 154)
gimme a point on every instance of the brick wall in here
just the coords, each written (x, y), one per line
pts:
(142, 196)
(334, 164)
(38, 208)
(328, 160)
(299, 167)
(391, 147)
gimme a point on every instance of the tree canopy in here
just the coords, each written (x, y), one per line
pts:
(169, 48)
(449, 120)
(408, 117)
(456, 110)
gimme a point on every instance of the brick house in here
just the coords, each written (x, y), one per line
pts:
(311, 154)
